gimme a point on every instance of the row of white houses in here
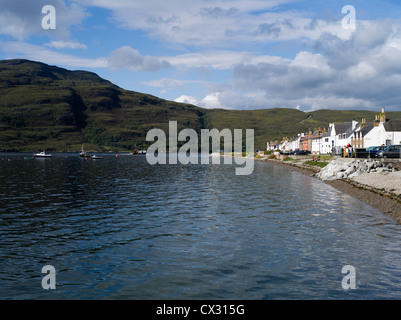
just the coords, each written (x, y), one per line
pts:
(339, 135)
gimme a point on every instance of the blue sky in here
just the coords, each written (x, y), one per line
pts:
(232, 54)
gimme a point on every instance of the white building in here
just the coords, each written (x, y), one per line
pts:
(393, 132)
(341, 134)
(326, 144)
(294, 144)
(317, 141)
(384, 132)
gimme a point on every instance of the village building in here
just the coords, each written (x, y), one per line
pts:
(316, 141)
(393, 132)
(341, 134)
(358, 137)
(304, 141)
(295, 143)
(326, 146)
(353, 134)
(385, 132)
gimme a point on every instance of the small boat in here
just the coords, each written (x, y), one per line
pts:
(83, 154)
(95, 157)
(42, 154)
(138, 151)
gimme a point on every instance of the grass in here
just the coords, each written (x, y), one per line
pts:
(326, 158)
(316, 163)
(292, 160)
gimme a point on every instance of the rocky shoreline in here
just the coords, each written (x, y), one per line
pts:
(362, 186)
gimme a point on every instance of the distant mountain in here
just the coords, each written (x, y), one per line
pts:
(44, 106)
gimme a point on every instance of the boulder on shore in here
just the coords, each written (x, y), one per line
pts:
(342, 169)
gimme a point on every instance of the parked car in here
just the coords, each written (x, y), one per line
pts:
(374, 151)
(302, 152)
(393, 151)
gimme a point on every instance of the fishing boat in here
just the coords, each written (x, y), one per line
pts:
(42, 154)
(83, 154)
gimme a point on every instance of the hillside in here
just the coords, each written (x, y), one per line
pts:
(44, 106)
(48, 107)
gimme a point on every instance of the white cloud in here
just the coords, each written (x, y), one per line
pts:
(211, 101)
(218, 24)
(362, 70)
(171, 83)
(60, 44)
(366, 78)
(187, 99)
(129, 58)
(306, 59)
(219, 59)
(25, 50)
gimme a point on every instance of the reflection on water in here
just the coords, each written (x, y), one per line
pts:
(119, 228)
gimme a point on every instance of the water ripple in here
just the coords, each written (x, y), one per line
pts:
(120, 228)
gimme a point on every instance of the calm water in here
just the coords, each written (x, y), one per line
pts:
(119, 228)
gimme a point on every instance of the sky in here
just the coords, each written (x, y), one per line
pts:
(231, 54)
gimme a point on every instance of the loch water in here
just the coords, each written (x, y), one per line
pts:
(120, 228)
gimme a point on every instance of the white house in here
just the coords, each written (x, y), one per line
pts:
(341, 134)
(384, 132)
(360, 133)
(317, 141)
(284, 145)
(295, 143)
(393, 132)
(326, 144)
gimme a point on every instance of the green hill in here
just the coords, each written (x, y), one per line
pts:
(47, 107)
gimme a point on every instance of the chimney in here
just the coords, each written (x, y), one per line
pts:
(383, 116)
(363, 123)
(354, 124)
(376, 122)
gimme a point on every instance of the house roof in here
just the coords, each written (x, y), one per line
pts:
(393, 125)
(365, 130)
(315, 135)
(343, 127)
(326, 134)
